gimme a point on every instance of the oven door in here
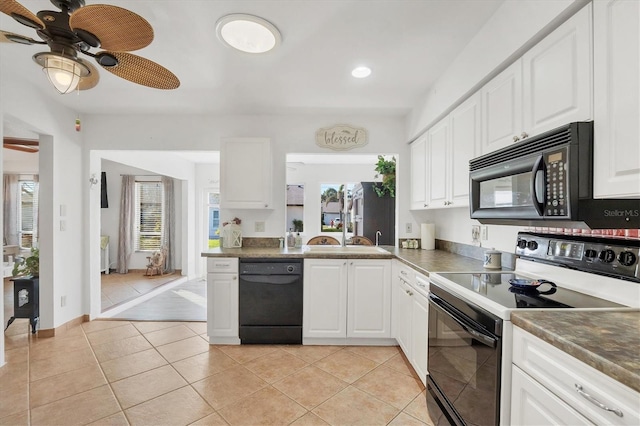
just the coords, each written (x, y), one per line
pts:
(464, 366)
(513, 189)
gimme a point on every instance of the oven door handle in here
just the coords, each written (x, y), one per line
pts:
(270, 279)
(483, 338)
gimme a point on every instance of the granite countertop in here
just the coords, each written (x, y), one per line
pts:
(424, 261)
(608, 341)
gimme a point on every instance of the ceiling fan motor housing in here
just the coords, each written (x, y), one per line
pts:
(70, 5)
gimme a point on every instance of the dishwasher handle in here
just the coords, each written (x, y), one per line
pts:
(270, 279)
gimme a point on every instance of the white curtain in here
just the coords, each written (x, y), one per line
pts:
(36, 207)
(10, 209)
(168, 237)
(127, 222)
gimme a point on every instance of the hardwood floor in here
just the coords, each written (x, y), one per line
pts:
(120, 288)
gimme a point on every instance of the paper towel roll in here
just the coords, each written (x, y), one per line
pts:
(428, 236)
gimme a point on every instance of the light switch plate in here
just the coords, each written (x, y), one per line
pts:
(259, 227)
(408, 228)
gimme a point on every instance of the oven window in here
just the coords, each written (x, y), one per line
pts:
(508, 191)
(465, 369)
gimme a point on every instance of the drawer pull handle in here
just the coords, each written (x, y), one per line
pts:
(596, 402)
(403, 273)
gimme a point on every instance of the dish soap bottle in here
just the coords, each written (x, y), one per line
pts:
(298, 240)
(291, 241)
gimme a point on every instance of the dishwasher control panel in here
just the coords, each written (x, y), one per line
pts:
(270, 267)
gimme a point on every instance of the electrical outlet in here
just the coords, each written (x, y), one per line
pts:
(475, 233)
(63, 225)
(63, 301)
(485, 232)
(408, 227)
(259, 226)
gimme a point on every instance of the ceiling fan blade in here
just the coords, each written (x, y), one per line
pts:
(6, 37)
(117, 28)
(19, 144)
(20, 13)
(92, 79)
(21, 148)
(140, 70)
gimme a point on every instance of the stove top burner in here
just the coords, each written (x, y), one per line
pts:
(496, 287)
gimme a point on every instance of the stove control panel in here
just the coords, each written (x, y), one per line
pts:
(610, 256)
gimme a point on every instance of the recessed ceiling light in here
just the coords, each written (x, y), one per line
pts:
(248, 33)
(361, 72)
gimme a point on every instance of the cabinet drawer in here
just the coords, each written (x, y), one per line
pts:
(565, 375)
(406, 273)
(422, 284)
(222, 265)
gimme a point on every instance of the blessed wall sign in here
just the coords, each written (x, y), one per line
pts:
(341, 137)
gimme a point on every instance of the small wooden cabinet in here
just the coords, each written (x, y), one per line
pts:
(347, 298)
(617, 94)
(222, 300)
(245, 173)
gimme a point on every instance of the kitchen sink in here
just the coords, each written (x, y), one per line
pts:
(345, 250)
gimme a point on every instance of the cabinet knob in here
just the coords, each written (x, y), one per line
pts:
(516, 139)
(234, 278)
(524, 135)
(266, 205)
(426, 205)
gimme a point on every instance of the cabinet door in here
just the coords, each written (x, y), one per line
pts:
(403, 330)
(437, 159)
(557, 76)
(222, 302)
(245, 173)
(419, 173)
(502, 108)
(532, 404)
(419, 334)
(617, 95)
(325, 298)
(369, 298)
(464, 145)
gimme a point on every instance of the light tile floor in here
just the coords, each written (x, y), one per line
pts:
(166, 373)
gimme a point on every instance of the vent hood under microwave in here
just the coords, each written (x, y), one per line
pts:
(546, 179)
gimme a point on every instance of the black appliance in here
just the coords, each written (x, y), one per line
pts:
(548, 177)
(469, 311)
(26, 301)
(372, 213)
(270, 301)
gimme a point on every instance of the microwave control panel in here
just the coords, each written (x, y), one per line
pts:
(556, 184)
(605, 255)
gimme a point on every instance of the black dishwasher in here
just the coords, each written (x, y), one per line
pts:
(270, 301)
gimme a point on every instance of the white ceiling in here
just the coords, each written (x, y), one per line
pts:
(407, 43)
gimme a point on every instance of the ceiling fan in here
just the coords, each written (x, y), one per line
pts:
(19, 144)
(76, 29)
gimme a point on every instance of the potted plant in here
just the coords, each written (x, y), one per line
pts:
(386, 169)
(28, 267)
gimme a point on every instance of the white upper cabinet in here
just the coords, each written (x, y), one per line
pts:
(502, 109)
(419, 173)
(551, 85)
(245, 173)
(437, 144)
(557, 76)
(617, 99)
(464, 145)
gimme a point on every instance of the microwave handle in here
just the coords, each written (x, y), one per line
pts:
(538, 183)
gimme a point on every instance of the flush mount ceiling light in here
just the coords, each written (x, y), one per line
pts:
(64, 72)
(248, 33)
(361, 72)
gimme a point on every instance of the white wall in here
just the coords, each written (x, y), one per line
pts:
(110, 217)
(207, 180)
(20, 162)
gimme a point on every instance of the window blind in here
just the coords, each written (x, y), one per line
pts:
(28, 210)
(149, 218)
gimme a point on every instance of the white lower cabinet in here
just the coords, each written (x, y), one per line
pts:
(411, 316)
(222, 300)
(549, 386)
(347, 298)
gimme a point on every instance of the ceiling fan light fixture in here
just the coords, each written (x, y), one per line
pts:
(248, 33)
(62, 71)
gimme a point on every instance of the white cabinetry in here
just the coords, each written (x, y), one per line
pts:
(549, 386)
(549, 86)
(347, 298)
(464, 145)
(245, 173)
(222, 300)
(411, 316)
(437, 142)
(617, 98)
(419, 173)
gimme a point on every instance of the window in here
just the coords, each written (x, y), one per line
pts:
(149, 216)
(332, 207)
(28, 213)
(295, 208)
(213, 214)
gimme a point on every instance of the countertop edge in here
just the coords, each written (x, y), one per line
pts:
(592, 359)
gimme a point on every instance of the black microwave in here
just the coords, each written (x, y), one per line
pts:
(549, 178)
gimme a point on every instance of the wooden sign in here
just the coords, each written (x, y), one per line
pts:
(341, 137)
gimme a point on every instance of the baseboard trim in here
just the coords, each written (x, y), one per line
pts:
(51, 332)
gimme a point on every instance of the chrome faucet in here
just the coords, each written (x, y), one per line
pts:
(378, 234)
